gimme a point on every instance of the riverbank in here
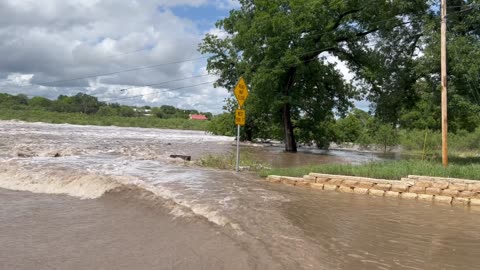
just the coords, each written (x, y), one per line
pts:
(99, 120)
(424, 188)
(391, 170)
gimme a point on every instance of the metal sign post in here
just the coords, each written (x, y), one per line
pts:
(241, 93)
(240, 117)
(237, 166)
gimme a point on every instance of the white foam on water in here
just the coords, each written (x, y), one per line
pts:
(83, 186)
(111, 132)
(198, 209)
(90, 185)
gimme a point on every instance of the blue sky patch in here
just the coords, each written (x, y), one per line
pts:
(205, 16)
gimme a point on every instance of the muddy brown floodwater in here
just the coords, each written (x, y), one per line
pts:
(113, 199)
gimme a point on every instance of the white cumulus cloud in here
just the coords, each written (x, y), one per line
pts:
(45, 44)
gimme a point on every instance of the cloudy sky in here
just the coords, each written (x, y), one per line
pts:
(54, 47)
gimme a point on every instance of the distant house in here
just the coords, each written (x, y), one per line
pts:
(198, 117)
(145, 112)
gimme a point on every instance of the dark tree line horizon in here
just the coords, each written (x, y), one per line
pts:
(90, 105)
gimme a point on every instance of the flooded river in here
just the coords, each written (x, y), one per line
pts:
(113, 199)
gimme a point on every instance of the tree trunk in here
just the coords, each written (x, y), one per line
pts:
(248, 133)
(290, 143)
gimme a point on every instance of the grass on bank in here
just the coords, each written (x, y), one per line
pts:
(97, 120)
(228, 162)
(464, 168)
(392, 170)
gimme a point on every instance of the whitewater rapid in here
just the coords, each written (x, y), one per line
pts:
(89, 161)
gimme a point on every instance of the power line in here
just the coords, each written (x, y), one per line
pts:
(165, 82)
(160, 91)
(190, 86)
(192, 77)
(130, 52)
(194, 59)
(125, 70)
(210, 82)
(178, 62)
(185, 87)
(186, 78)
(169, 63)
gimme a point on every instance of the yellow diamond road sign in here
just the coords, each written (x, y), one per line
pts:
(240, 116)
(241, 91)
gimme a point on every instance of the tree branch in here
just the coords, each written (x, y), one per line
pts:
(341, 17)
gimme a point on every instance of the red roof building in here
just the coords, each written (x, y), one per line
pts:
(198, 117)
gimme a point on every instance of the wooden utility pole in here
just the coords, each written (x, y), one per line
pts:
(444, 83)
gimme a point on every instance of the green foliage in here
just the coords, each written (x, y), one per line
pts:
(464, 142)
(319, 133)
(460, 143)
(463, 113)
(414, 101)
(360, 128)
(348, 129)
(420, 140)
(81, 102)
(125, 111)
(40, 102)
(166, 112)
(385, 136)
(107, 111)
(223, 124)
(15, 102)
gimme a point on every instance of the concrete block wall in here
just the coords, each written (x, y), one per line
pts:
(422, 188)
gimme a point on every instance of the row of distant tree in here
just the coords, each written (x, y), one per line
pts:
(358, 127)
(87, 104)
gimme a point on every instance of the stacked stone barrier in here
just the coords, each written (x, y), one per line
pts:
(423, 188)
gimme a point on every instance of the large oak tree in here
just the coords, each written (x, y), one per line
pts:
(281, 47)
